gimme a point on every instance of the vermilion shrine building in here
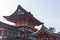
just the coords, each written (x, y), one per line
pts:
(24, 28)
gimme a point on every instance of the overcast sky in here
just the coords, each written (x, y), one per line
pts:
(46, 11)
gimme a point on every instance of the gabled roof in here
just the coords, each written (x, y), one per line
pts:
(19, 7)
(46, 30)
(15, 14)
(9, 27)
(22, 14)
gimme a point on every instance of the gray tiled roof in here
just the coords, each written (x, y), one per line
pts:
(7, 26)
(16, 16)
(46, 30)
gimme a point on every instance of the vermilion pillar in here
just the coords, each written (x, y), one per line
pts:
(2, 34)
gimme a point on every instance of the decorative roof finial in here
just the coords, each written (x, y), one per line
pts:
(19, 6)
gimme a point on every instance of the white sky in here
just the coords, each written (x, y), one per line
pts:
(47, 11)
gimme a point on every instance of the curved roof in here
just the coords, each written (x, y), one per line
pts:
(9, 27)
(46, 30)
(22, 14)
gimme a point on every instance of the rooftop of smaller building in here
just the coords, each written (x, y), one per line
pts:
(44, 30)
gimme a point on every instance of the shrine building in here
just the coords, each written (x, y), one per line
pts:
(24, 28)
